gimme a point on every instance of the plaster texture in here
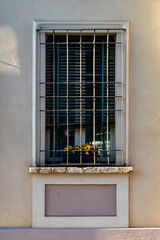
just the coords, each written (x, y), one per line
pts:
(16, 21)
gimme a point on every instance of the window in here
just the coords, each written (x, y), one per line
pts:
(81, 102)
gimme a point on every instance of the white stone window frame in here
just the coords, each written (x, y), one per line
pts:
(39, 181)
(122, 73)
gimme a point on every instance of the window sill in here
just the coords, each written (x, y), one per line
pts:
(76, 170)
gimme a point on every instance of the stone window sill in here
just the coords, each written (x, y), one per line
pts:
(77, 170)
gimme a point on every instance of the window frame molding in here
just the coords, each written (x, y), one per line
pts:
(49, 25)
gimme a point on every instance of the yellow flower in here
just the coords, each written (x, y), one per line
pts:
(70, 148)
(87, 147)
(86, 153)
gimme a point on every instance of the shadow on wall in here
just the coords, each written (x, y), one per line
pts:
(15, 95)
(9, 59)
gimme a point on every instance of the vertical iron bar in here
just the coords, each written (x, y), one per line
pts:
(40, 66)
(43, 102)
(94, 104)
(67, 105)
(81, 97)
(54, 116)
(57, 86)
(102, 83)
(102, 124)
(122, 92)
(107, 99)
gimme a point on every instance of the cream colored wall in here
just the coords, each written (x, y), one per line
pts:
(16, 19)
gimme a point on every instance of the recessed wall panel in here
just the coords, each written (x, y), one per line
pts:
(80, 200)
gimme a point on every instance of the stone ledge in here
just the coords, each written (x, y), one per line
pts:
(75, 170)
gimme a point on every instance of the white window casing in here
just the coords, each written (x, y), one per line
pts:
(39, 181)
(121, 75)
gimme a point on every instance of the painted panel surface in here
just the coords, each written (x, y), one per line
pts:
(80, 200)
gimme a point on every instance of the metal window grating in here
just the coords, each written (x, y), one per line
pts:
(81, 96)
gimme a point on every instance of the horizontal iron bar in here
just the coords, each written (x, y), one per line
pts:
(52, 83)
(78, 43)
(80, 97)
(83, 110)
(85, 164)
(81, 29)
(81, 150)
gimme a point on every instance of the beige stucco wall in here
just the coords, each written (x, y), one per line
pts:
(16, 20)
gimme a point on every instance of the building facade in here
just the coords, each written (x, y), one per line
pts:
(79, 119)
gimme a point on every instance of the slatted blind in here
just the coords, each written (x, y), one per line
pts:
(74, 81)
